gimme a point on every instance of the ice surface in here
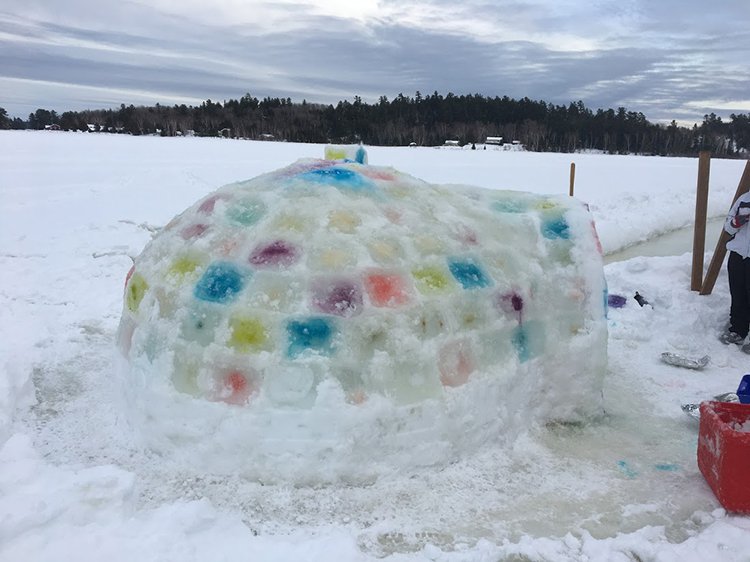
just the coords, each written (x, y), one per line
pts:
(336, 286)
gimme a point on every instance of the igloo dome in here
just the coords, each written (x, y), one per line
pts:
(334, 319)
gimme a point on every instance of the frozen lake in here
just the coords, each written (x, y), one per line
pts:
(76, 483)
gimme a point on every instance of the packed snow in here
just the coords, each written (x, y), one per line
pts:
(77, 483)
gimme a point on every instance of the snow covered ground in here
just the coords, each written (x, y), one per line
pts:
(75, 485)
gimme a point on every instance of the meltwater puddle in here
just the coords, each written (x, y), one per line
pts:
(672, 243)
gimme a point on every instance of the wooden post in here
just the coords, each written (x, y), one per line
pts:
(699, 230)
(572, 177)
(721, 246)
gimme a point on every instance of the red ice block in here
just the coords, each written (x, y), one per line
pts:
(724, 453)
(387, 290)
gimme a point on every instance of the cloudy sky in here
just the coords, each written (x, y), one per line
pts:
(670, 59)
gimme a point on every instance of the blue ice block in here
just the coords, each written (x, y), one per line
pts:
(339, 177)
(221, 283)
(313, 333)
(556, 228)
(469, 274)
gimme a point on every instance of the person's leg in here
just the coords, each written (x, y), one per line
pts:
(739, 288)
(745, 319)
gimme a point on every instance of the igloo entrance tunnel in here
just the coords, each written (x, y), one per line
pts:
(334, 319)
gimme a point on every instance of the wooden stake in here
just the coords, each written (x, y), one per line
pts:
(721, 246)
(699, 230)
(572, 177)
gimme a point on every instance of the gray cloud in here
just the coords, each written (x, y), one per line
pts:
(646, 56)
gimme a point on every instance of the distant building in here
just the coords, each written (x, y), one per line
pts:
(226, 133)
(494, 140)
(267, 136)
(451, 143)
(53, 127)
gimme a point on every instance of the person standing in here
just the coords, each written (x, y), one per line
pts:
(738, 269)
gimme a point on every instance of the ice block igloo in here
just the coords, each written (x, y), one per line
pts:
(338, 308)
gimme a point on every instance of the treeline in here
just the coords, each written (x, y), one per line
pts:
(426, 121)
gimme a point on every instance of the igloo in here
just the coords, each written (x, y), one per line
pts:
(335, 319)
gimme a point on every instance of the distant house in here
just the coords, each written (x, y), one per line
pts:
(226, 132)
(494, 140)
(267, 136)
(452, 143)
(53, 127)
